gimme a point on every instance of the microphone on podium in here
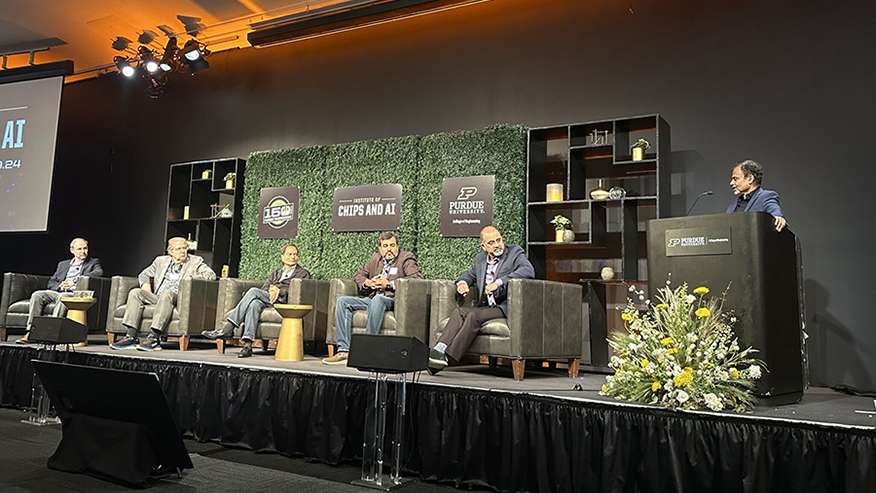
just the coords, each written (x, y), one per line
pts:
(707, 192)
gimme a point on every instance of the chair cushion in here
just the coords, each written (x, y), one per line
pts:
(23, 306)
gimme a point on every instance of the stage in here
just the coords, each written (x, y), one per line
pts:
(473, 425)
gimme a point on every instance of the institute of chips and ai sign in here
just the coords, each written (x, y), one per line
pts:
(466, 205)
(279, 212)
(367, 208)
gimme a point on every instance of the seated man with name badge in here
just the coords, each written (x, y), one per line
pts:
(255, 300)
(376, 282)
(63, 282)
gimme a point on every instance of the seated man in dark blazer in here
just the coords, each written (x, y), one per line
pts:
(491, 271)
(255, 300)
(745, 182)
(376, 281)
(62, 282)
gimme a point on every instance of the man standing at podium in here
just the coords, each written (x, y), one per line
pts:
(490, 273)
(745, 182)
(63, 282)
(249, 308)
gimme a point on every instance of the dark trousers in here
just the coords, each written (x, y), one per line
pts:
(463, 326)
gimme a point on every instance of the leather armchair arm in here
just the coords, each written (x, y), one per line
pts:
(337, 288)
(101, 286)
(17, 287)
(230, 292)
(196, 304)
(412, 308)
(545, 318)
(444, 299)
(120, 286)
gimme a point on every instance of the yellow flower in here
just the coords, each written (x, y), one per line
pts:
(645, 363)
(655, 386)
(672, 350)
(734, 373)
(685, 377)
(703, 312)
(662, 306)
(627, 317)
(701, 290)
(666, 341)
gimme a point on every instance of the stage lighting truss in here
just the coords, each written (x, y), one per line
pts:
(145, 63)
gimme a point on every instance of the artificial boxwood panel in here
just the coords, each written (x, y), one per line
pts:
(373, 162)
(418, 164)
(499, 150)
(304, 168)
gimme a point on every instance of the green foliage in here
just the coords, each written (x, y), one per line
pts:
(499, 150)
(418, 164)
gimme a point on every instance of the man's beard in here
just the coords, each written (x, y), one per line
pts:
(497, 252)
(389, 257)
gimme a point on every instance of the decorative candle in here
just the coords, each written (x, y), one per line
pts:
(186, 212)
(554, 192)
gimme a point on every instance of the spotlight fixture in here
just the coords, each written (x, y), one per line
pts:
(193, 56)
(147, 59)
(124, 66)
(168, 60)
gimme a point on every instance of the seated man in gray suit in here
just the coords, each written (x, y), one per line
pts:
(62, 282)
(167, 271)
(376, 281)
(492, 269)
(255, 300)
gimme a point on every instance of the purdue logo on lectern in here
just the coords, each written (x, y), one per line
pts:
(278, 212)
(673, 242)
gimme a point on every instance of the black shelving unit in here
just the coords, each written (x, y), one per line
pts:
(218, 237)
(608, 232)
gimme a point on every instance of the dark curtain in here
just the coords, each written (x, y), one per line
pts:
(510, 442)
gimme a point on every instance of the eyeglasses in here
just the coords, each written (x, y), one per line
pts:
(493, 242)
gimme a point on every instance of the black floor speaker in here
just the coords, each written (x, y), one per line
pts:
(387, 354)
(57, 330)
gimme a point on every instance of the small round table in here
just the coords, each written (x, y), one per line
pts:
(76, 311)
(290, 346)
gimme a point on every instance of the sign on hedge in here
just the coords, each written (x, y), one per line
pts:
(279, 212)
(466, 205)
(367, 208)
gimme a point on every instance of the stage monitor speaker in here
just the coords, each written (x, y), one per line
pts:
(387, 354)
(57, 330)
(117, 424)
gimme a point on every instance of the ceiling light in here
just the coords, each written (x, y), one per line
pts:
(147, 59)
(168, 60)
(124, 66)
(193, 56)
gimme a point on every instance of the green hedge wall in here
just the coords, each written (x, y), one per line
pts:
(418, 164)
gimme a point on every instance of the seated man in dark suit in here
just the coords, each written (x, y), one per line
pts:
(249, 309)
(159, 286)
(745, 182)
(62, 282)
(376, 281)
(491, 271)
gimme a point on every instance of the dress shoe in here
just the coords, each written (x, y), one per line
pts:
(223, 333)
(23, 340)
(245, 351)
(437, 360)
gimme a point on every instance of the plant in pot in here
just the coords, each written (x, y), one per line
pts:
(229, 180)
(563, 227)
(639, 149)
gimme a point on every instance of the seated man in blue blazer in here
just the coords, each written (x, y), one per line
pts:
(745, 182)
(492, 269)
(63, 282)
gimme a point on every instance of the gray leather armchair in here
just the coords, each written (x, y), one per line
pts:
(301, 292)
(409, 318)
(543, 322)
(195, 309)
(15, 300)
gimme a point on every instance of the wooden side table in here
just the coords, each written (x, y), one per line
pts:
(290, 346)
(76, 311)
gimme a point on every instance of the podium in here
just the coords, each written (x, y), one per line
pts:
(764, 271)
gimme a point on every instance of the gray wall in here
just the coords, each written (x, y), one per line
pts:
(782, 82)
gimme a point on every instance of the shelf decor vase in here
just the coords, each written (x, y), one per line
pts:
(638, 153)
(568, 236)
(229, 184)
(599, 193)
(205, 175)
(559, 235)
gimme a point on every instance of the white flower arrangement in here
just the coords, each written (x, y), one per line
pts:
(561, 223)
(682, 352)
